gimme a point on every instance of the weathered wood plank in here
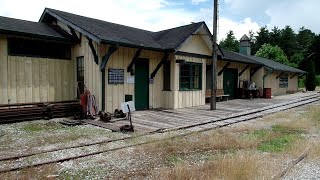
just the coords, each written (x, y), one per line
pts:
(28, 76)
(44, 80)
(21, 85)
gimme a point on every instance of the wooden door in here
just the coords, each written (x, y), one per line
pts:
(141, 88)
(230, 79)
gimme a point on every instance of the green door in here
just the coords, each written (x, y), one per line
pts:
(141, 87)
(230, 80)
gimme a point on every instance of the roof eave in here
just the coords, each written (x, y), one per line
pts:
(103, 41)
(30, 35)
(239, 61)
(186, 39)
(74, 26)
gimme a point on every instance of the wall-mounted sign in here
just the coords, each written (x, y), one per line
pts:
(130, 80)
(283, 82)
(115, 76)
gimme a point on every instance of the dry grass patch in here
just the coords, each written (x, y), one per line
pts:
(203, 142)
(280, 116)
(315, 151)
(240, 165)
(43, 172)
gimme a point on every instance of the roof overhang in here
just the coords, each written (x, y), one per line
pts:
(114, 43)
(36, 36)
(47, 12)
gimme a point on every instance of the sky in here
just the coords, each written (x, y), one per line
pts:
(240, 16)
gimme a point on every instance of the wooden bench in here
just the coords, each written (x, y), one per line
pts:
(220, 96)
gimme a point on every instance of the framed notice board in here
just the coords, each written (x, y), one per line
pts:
(283, 82)
(115, 76)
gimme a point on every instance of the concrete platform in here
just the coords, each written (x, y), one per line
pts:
(151, 120)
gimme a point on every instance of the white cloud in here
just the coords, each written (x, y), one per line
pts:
(145, 14)
(296, 14)
(238, 28)
(196, 2)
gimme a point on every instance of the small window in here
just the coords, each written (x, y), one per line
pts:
(166, 76)
(80, 75)
(283, 81)
(190, 76)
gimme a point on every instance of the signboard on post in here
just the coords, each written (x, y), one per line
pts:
(126, 105)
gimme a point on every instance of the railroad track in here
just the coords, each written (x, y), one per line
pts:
(20, 161)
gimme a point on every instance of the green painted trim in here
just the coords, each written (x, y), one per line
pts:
(190, 72)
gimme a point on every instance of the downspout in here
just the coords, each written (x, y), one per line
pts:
(270, 71)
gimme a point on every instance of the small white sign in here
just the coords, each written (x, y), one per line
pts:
(130, 80)
(124, 106)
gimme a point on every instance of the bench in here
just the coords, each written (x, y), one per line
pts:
(220, 96)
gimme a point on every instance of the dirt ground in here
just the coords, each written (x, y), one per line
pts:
(258, 149)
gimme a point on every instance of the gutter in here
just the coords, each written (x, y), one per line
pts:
(270, 71)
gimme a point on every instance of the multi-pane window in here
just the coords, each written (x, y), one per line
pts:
(190, 76)
(166, 76)
(80, 74)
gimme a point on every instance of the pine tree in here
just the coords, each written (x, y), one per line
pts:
(311, 77)
(230, 43)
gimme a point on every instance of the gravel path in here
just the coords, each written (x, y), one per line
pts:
(305, 170)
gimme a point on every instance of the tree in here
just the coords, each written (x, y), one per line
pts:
(272, 52)
(315, 48)
(304, 39)
(275, 36)
(288, 41)
(311, 77)
(230, 43)
(262, 38)
(296, 60)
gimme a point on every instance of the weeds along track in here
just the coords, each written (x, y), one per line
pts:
(57, 155)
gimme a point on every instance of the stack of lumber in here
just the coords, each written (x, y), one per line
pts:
(34, 111)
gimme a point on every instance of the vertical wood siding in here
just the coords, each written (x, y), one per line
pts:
(3, 71)
(121, 59)
(39, 80)
(29, 79)
(184, 99)
(244, 77)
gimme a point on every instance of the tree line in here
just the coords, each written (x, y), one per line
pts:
(299, 50)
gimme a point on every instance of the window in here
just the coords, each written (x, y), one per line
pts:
(283, 81)
(80, 75)
(166, 76)
(190, 76)
(38, 48)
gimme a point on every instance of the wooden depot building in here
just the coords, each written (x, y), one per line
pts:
(44, 61)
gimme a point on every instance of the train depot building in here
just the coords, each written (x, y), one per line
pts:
(45, 61)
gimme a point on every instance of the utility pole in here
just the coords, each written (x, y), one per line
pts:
(213, 103)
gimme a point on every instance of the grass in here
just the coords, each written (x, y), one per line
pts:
(37, 127)
(241, 165)
(214, 141)
(86, 173)
(239, 153)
